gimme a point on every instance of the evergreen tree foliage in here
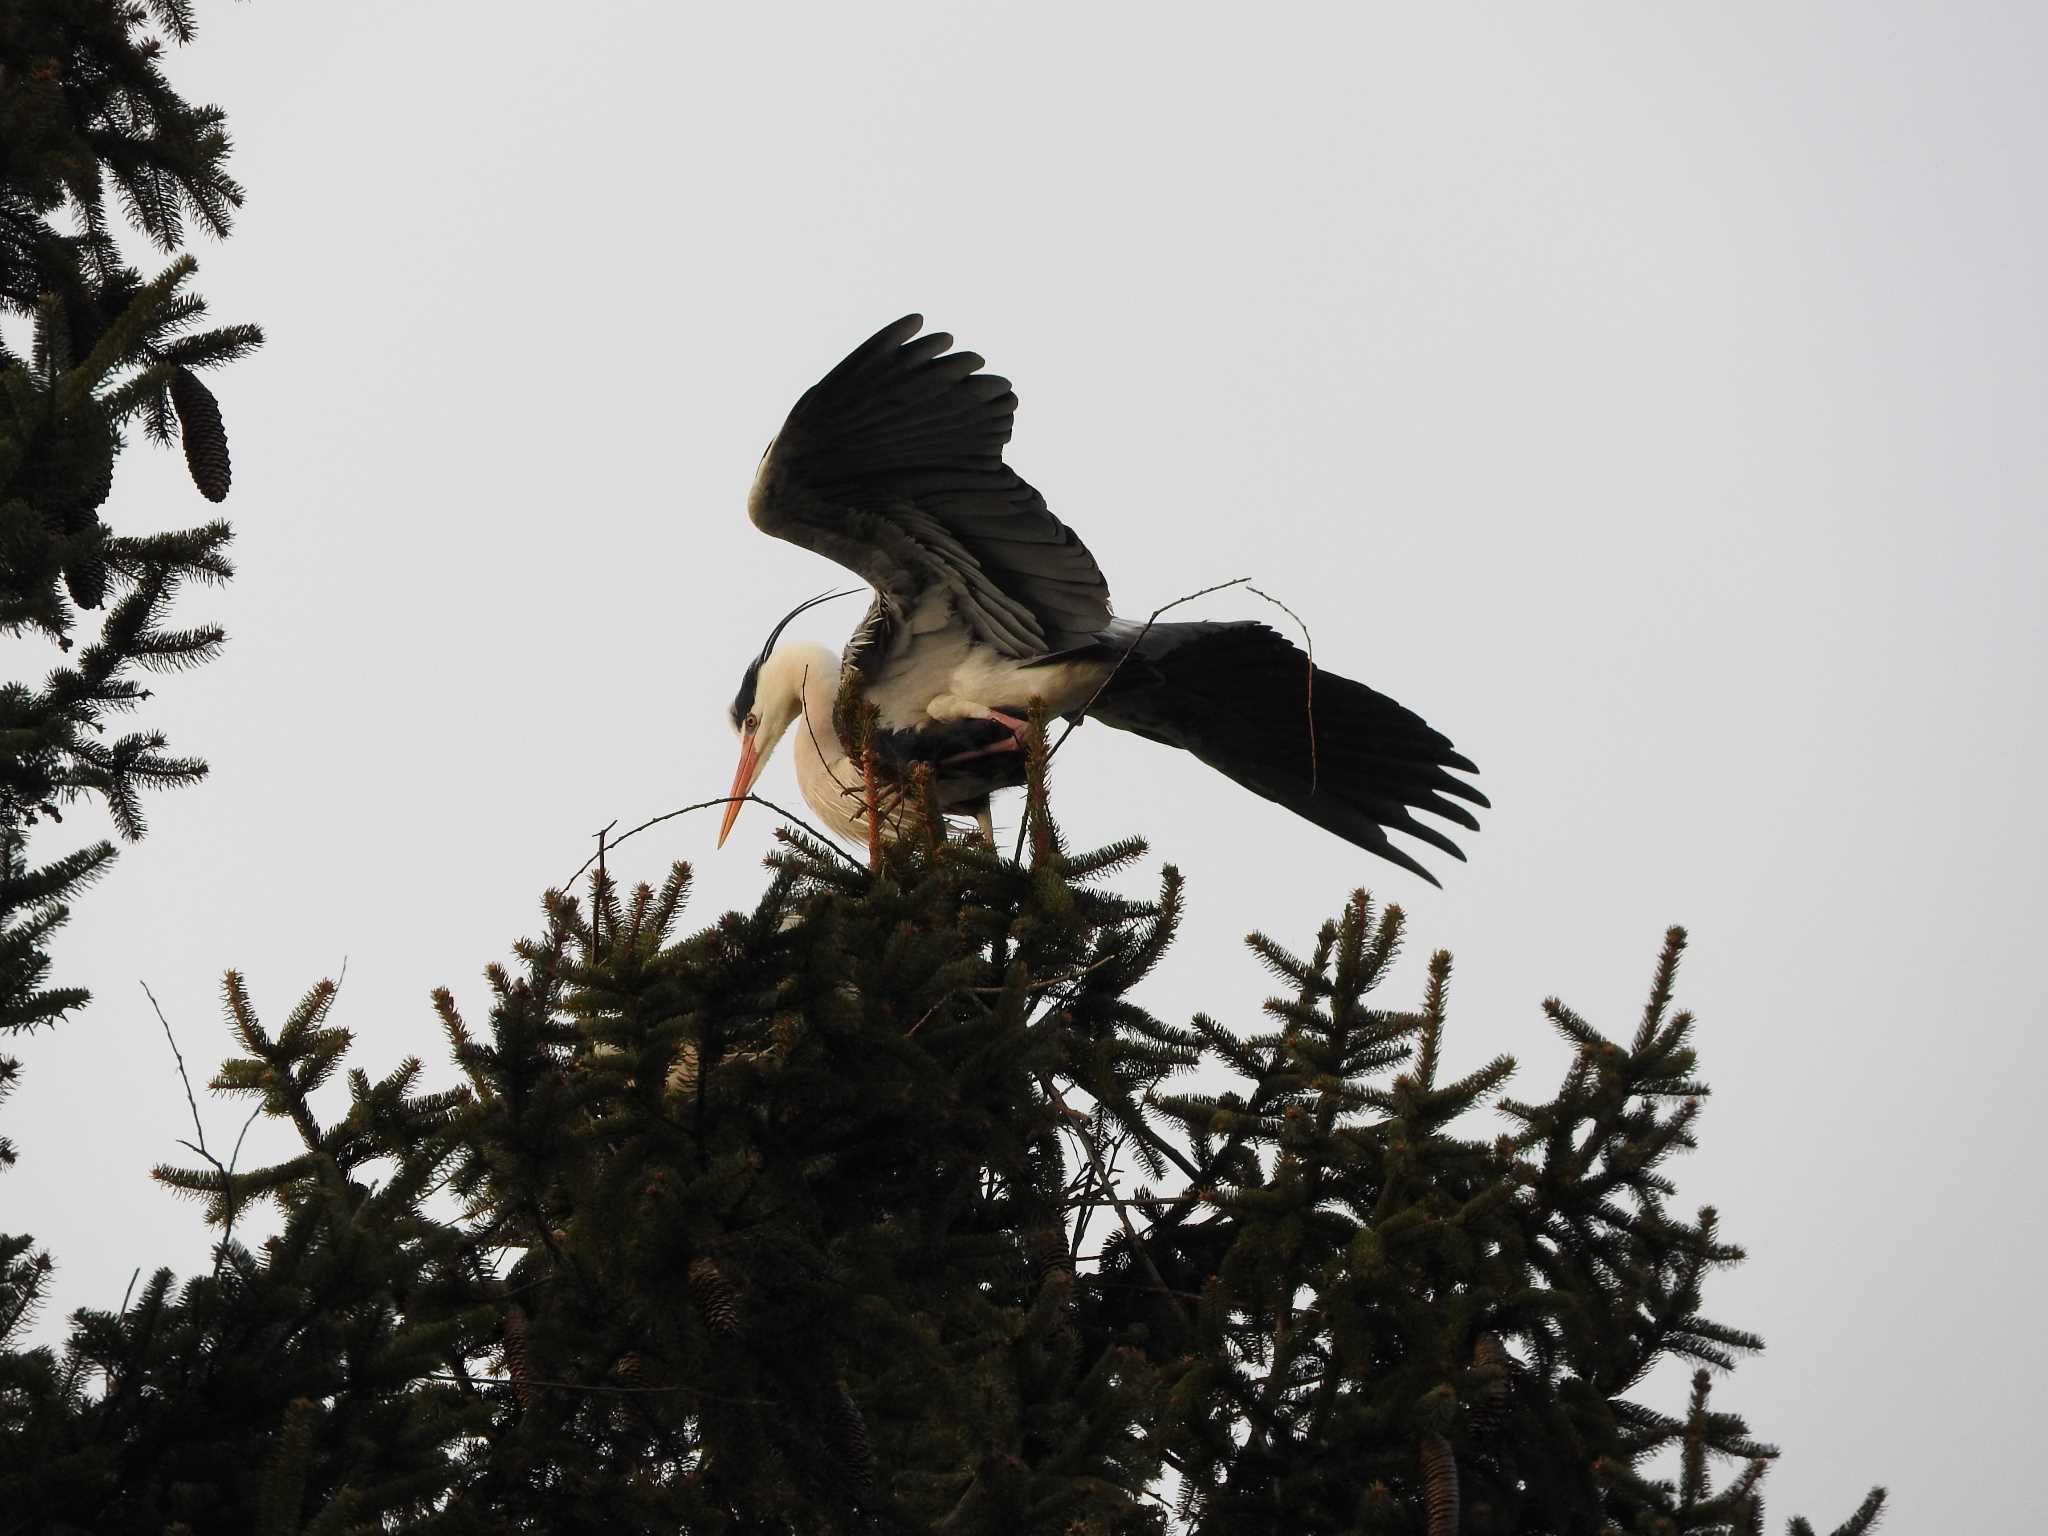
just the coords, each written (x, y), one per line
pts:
(94, 349)
(84, 108)
(86, 111)
(885, 1206)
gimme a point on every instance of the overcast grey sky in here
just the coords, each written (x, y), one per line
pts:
(1651, 397)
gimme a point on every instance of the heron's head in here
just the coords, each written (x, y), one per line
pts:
(771, 699)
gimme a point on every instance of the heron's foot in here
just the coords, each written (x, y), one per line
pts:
(1011, 743)
(1014, 742)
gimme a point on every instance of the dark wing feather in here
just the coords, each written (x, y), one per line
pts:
(892, 464)
(1238, 697)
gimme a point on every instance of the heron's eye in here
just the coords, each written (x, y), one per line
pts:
(753, 724)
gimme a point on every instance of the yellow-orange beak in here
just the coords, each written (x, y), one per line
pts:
(741, 783)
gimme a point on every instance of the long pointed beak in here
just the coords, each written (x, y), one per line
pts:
(741, 783)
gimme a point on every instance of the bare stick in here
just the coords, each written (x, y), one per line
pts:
(921, 1018)
(1052, 981)
(597, 897)
(236, 1156)
(1030, 986)
(1162, 1200)
(701, 805)
(580, 1386)
(227, 1197)
(816, 745)
(1123, 1214)
(179, 1056)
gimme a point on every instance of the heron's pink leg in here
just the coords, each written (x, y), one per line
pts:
(1007, 744)
(1015, 743)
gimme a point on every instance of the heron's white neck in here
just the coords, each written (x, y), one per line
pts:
(800, 678)
(807, 675)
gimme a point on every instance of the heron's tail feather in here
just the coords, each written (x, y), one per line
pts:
(1248, 703)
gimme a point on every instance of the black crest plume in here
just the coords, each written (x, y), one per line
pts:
(745, 697)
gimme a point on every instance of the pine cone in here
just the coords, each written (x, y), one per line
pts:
(205, 438)
(86, 578)
(1490, 1411)
(1440, 1485)
(515, 1349)
(1048, 1251)
(682, 1072)
(717, 1299)
(95, 490)
(850, 1445)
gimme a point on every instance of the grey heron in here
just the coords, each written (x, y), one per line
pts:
(892, 465)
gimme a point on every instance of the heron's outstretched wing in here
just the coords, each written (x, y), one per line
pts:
(1250, 704)
(892, 464)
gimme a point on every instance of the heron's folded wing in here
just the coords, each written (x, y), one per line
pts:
(892, 464)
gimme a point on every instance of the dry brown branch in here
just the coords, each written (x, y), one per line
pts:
(654, 821)
(816, 745)
(1051, 981)
(582, 1386)
(597, 896)
(229, 1206)
(1029, 986)
(1108, 1187)
(1189, 1199)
